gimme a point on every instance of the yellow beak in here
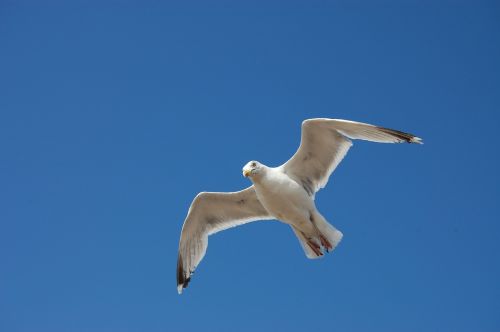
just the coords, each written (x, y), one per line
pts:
(246, 172)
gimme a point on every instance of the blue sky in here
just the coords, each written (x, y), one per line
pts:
(114, 115)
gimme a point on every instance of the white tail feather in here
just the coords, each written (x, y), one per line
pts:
(303, 243)
(333, 235)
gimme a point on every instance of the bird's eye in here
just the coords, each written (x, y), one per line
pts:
(254, 164)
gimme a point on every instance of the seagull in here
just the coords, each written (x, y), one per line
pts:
(285, 193)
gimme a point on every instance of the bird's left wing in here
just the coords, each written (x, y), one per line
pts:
(210, 213)
(325, 142)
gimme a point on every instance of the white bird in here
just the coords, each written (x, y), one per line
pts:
(285, 193)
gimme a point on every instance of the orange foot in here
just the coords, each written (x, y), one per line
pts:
(325, 243)
(316, 248)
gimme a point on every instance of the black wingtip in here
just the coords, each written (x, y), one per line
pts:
(182, 281)
(405, 137)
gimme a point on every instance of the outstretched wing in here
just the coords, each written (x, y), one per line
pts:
(325, 142)
(210, 213)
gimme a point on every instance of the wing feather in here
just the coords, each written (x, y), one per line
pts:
(211, 213)
(325, 142)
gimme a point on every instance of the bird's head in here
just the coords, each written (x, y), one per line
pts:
(252, 168)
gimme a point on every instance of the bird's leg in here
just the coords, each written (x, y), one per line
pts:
(324, 241)
(314, 246)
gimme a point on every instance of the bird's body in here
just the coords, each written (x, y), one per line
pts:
(281, 196)
(288, 201)
(285, 193)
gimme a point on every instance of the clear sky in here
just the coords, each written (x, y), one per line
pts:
(114, 115)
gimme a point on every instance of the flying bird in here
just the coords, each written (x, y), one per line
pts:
(285, 193)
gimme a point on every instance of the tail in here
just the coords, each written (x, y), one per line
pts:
(333, 236)
(310, 253)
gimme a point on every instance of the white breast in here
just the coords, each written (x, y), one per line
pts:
(282, 197)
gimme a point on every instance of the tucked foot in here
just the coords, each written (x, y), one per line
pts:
(325, 243)
(315, 247)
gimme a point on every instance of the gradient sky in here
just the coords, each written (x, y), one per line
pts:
(114, 115)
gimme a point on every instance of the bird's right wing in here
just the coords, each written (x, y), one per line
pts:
(325, 143)
(210, 213)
